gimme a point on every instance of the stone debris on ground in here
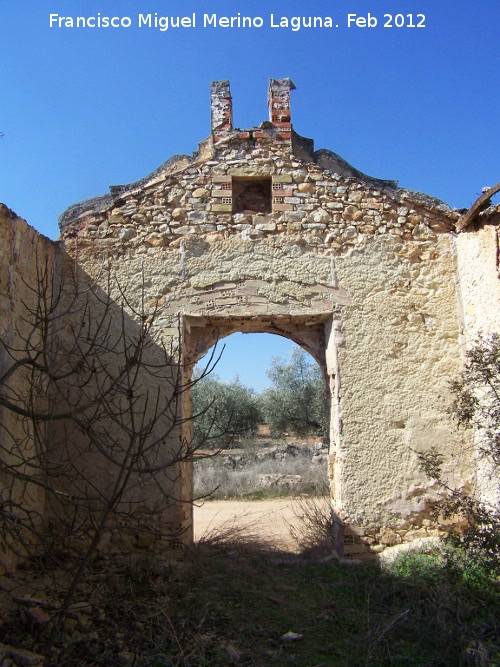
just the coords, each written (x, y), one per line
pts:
(11, 656)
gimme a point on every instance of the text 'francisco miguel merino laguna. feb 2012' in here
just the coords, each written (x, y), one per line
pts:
(293, 23)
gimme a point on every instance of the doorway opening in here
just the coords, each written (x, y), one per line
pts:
(261, 430)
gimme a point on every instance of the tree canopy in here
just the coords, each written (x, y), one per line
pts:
(296, 401)
(223, 411)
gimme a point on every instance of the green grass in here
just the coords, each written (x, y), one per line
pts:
(234, 605)
(418, 614)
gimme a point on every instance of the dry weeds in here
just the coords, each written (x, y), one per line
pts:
(313, 530)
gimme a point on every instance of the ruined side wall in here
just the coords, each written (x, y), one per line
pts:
(479, 285)
(23, 251)
(36, 274)
(24, 254)
(376, 259)
(478, 277)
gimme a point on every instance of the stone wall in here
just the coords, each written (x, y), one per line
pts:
(478, 277)
(478, 273)
(257, 232)
(53, 475)
(25, 258)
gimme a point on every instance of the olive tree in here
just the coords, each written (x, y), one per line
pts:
(223, 412)
(296, 401)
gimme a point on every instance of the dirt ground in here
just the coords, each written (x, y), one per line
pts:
(270, 519)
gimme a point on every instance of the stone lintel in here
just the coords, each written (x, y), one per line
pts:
(356, 531)
(221, 179)
(222, 193)
(222, 208)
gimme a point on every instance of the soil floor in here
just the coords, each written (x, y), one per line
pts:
(268, 519)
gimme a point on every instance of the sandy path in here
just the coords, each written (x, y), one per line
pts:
(267, 518)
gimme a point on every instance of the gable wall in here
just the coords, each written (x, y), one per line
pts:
(371, 279)
(377, 261)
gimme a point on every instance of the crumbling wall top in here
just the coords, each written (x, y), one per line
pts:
(233, 153)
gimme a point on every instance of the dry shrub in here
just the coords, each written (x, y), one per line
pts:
(214, 478)
(234, 536)
(313, 530)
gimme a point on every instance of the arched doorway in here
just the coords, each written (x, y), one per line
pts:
(314, 333)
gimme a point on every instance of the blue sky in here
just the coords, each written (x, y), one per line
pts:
(85, 108)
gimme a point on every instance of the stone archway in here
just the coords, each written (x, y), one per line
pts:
(316, 334)
(257, 231)
(308, 331)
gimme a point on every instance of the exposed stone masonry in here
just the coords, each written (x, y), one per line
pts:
(222, 110)
(258, 232)
(334, 212)
(312, 208)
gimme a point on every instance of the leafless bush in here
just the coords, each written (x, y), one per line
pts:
(236, 535)
(93, 431)
(313, 530)
(476, 406)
